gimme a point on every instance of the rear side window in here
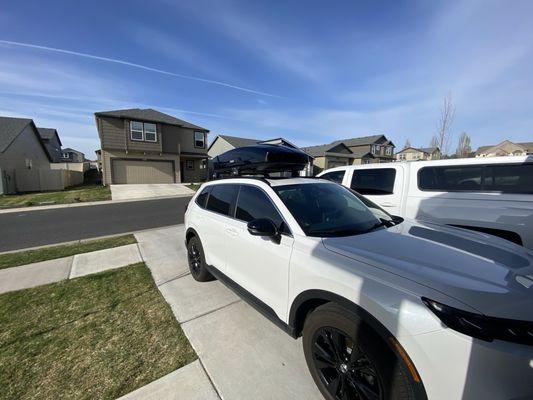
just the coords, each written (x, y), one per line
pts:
(221, 199)
(334, 176)
(201, 199)
(478, 178)
(373, 181)
(253, 203)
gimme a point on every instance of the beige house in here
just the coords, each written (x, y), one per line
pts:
(417, 154)
(362, 150)
(148, 146)
(505, 148)
(223, 143)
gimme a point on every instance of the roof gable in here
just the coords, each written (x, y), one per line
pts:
(149, 115)
(10, 128)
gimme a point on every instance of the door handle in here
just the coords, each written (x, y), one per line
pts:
(387, 205)
(231, 231)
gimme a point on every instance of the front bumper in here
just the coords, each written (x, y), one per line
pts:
(455, 366)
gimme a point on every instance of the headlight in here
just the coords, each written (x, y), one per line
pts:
(482, 327)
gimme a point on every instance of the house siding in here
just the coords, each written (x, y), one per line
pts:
(218, 147)
(25, 146)
(177, 139)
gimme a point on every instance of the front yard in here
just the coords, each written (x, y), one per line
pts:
(74, 194)
(99, 336)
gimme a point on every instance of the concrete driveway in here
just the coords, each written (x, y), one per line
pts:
(244, 355)
(147, 191)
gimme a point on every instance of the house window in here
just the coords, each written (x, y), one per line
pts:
(29, 163)
(65, 155)
(136, 129)
(199, 139)
(189, 164)
(376, 148)
(150, 132)
(203, 164)
(388, 150)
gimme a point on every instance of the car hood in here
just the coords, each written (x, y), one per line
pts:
(487, 273)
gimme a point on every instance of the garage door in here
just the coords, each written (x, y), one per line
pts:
(137, 171)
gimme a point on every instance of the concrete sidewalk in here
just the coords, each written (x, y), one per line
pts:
(149, 191)
(244, 355)
(42, 273)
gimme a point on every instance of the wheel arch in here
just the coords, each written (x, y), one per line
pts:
(189, 234)
(308, 300)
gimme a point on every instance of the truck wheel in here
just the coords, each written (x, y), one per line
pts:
(196, 258)
(348, 361)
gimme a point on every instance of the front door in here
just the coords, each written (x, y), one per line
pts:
(259, 264)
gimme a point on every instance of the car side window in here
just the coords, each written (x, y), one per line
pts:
(373, 181)
(334, 176)
(253, 203)
(201, 199)
(221, 199)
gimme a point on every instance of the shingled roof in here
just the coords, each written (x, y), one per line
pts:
(239, 141)
(10, 129)
(150, 115)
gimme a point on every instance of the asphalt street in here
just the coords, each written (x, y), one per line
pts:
(19, 230)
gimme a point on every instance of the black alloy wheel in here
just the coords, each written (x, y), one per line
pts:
(344, 368)
(196, 259)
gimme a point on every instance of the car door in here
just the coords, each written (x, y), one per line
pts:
(258, 264)
(219, 207)
(383, 186)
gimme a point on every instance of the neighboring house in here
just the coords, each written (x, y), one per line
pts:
(69, 155)
(223, 143)
(148, 146)
(21, 152)
(363, 150)
(505, 148)
(50, 138)
(416, 154)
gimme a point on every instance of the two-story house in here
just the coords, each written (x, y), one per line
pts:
(416, 154)
(148, 146)
(52, 142)
(69, 155)
(354, 151)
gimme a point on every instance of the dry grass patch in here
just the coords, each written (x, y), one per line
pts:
(99, 336)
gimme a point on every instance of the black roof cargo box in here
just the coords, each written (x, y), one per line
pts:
(261, 159)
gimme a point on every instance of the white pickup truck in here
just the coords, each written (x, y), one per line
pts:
(491, 195)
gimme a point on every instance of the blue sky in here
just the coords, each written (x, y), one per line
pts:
(309, 71)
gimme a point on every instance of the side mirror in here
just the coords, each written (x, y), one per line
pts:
(262, 227)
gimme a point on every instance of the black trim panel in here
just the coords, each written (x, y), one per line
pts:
(260, 306)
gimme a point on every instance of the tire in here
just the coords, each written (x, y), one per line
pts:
(196, 259)
(343, 374)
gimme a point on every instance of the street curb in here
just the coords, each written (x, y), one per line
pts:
(89, 239)
(88, 203)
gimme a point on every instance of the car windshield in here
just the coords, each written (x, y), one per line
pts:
(328, 210)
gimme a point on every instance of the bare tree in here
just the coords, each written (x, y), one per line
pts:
(463, 148)
(434, 142)
(407, 144)
(443, 135)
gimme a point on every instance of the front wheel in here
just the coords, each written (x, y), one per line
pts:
(196, 259)
(348, 361)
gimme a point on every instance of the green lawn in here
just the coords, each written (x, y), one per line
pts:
(49, 253)
(95, 337)
(74, 194)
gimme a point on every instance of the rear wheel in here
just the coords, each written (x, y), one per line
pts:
(196, 259)
(348, 361)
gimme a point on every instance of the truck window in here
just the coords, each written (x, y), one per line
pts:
(510, 178)
(334, 176)
(373, 181)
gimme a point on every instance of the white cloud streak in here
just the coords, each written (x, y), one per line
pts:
(139, 66)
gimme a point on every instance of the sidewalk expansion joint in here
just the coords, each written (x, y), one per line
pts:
(209, 378)
(211, 311)
(173, 279)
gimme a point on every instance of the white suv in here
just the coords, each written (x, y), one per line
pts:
(388, 308)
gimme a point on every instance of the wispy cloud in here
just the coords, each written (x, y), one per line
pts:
(134, 65)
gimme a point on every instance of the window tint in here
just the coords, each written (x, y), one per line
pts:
(221, 198)
(201, 199)
(334, 176)
(253, 203)
(374, 181)
(499, 178)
